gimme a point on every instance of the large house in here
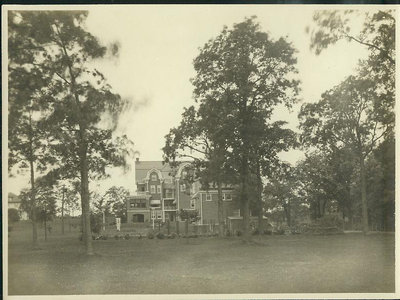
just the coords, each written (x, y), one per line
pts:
(162, 192)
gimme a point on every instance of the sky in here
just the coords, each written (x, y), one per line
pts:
(154, 66)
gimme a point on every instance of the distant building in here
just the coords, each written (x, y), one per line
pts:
(15, 202)
(162, 192)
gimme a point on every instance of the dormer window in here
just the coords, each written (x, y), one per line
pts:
(153, 177)
(184, 174)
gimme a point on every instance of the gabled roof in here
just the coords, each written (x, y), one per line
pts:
(143, 167)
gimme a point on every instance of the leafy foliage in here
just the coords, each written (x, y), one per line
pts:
(13, 215)
(191, 215)
(78, 107)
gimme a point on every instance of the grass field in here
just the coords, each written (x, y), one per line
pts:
(272, 264)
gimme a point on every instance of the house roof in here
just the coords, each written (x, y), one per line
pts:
(143, 167)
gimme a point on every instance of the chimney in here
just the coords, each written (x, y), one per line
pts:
(137, 159)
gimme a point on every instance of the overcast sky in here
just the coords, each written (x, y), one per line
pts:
(154, 67)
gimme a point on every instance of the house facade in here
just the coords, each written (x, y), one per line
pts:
(15, 202)
(162, 192)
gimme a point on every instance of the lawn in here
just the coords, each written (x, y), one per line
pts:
(272, 264)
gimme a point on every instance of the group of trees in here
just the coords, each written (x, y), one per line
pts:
(243, 75)
(348, 134)
(62, 112)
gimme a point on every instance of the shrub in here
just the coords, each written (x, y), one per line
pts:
(127, 236)
(13, 215)
(267, 232)
(160, 235)
(116, 237)
(238, 233)
(150, 235)
(173, 235)
(140, 236)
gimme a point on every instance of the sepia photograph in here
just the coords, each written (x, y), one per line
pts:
(199, 151)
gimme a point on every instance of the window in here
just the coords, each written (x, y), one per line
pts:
(168, 193)
(152, 189)
(236, 213)
(227, 197)
(153, 177)
(184, 174)
(183, 187)
(138, 203)
(158, 189)
(208, 197)
(192, 203)
(153, 214)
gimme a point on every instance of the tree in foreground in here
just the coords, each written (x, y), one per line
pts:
(250, 73)
(83, 107)
(202, 137)
(28, 87)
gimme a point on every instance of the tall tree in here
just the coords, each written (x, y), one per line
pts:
(250, 73)
(84, 108)
(346, 117)
(202, 138)
(28, 87)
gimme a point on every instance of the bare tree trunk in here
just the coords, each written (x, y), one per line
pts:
(33, 207)
(87, 233)
(286, 208)
(62, 213)
(177, 226)
(246, 220)
(220, 210)
(260, 203)
(45, 224)
(245, 199)
(364, 196)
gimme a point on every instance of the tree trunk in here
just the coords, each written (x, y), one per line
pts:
(62, 213)
(33, 207)
(260, 203)
(245, 199)
(87, 233)
(364, 196)
(220, 211)
(286, 208)
(246, 220)
(45, 226)
(187, 227)
(177, 226)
